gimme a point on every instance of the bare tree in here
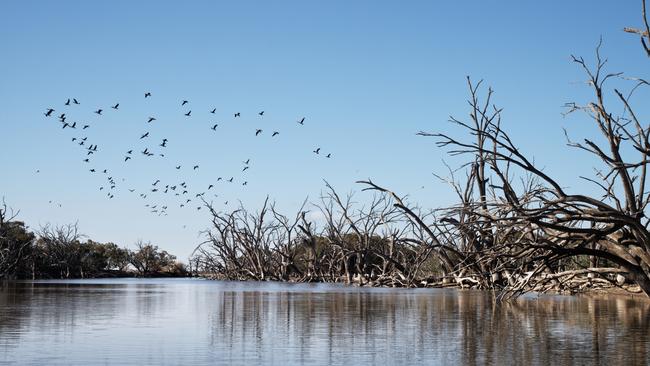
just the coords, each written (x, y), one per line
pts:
(555, 225)
(15, 243)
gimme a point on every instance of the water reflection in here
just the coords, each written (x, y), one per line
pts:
(203, 322)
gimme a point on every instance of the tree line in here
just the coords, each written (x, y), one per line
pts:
(59, 252)
(514, 229)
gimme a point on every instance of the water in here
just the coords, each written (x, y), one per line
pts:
(197, 322)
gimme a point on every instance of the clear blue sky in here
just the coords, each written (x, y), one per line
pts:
(367, 75)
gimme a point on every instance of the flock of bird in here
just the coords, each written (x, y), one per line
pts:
(154, 195)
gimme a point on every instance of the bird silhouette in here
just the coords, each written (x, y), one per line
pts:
(49, 112)
(116, 106)
(99, 111)
(126, 158)
(164, 143)
(68, 102)
(261, 113)
(247, 161)
(74, 101)
(87, 160)
(85, 126)
(230, 180)
(92, 170)
(213, 111)
(196, 167)
(317, 151)
(65, 124)
(184, 102)
(237, 114)
(210, 186)
(188, 113)
(302, 121)
(151, 119)
(258, 131)
(275, 133)
(215, 126)
(245, 183)
(129, 152)
(178, 167)
(246, 167)
(145, 135)
(329, 155)
(147, 94)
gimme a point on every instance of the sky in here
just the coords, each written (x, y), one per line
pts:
(365, 75)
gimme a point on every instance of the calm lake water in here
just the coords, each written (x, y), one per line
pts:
(198, 322)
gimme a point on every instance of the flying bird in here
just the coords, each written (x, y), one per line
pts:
(247, 161)
(129, 152)
(85, 126)
(74, 101)
(68, 102)
(126, 158)
(215, 126)
(178, 167)
(246, 167)
(99, 111)
(151, 119)
(329, 155)
(164, 143)
(261, 113)
(258, 132)
(49, 112)
(116, 106)
(237, 114)
(275, 133)
(147, 94)
(145, 135)
(302, 121)
(184, 102)
(188, 113)
(317, 151)
(196, 167)
(213, 111)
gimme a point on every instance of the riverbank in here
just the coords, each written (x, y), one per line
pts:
(590, 287)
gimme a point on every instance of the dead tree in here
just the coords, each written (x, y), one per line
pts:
(15, 244)
(559, 225)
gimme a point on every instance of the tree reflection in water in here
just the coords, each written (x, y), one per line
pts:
(151, 322)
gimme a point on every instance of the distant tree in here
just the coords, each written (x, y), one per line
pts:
(59, 251)
(15, 245)
(148, 259)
